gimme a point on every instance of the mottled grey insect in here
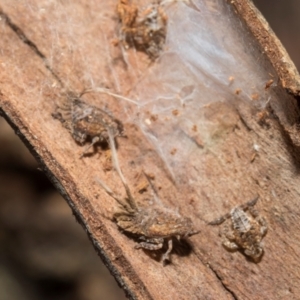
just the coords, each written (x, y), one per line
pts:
(145, 30)
(86, 122)
(246, 231)
(152, 227)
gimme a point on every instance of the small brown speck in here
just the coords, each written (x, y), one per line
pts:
(253, 157)
(238, 91)
(175, 112)
(228, 160)
(268, 84)
(150, 176)
(173, 151)
(107, 165)
(262, 117)
(153, 118)
(255, 96)
(115, 42)
(142, 186)
(195, 129)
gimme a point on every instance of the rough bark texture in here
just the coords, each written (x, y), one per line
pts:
(31, 79)
(270, 44)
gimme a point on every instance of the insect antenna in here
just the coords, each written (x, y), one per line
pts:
(112, 144)
(250, 203)
(220, 220)
(110, 192)
(154, 190)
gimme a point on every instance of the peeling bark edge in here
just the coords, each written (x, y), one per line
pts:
(270, 45)
(134, 288)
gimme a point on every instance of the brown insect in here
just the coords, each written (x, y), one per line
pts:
(86, 122)
(145, 30)
(246, 232)
(152, 227)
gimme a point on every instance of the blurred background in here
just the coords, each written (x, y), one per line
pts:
(44, 253)
(283, 17)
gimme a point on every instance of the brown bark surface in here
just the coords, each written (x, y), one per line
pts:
(270, 44)
(246, 158)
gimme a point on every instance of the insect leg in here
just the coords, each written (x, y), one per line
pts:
(166, 256)
(151, 244)
(95, 140)
(264, 225)
(228, 238)
(230, 245)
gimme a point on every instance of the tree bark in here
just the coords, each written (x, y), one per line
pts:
(240, 151)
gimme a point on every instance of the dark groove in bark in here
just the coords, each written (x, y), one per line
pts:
(19, 32)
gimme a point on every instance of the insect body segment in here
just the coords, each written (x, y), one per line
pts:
(86, 122)
(153, 227)
(246, 231)
(240, 221)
